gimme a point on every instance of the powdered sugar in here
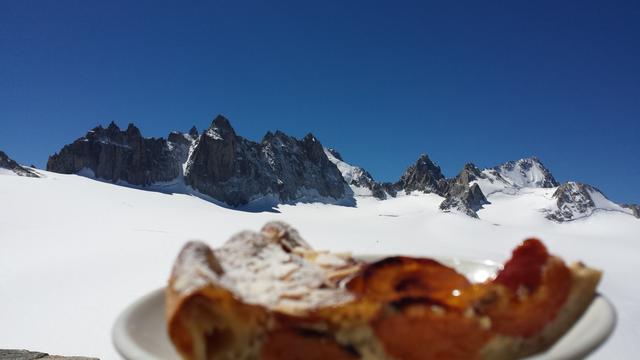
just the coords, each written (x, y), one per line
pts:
(271, 268)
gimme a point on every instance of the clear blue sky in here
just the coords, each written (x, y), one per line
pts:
(381, 81)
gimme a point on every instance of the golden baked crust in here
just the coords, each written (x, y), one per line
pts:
(269, 295)
(583, 289)
(221, 303)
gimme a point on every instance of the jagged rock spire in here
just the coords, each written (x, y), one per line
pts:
(423, 176)
(222, 127)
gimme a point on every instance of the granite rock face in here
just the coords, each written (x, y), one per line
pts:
(9, 164)
(236, 171)
(123, 155)
(225, 166)
(573, 200)
(424, 176)
(470, 173)
(467, 201)
(218, 163)
(462, 195)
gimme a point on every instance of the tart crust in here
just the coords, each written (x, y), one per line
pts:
(269, 295)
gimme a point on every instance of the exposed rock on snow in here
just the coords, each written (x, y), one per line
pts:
(576, 200)
(527, 172)
(235, 170)
(469, 173)
(9, 164)
(467, 201)
(123, 155)
(513, 175)
(462, 195)
(218, 163)
(423, 176)
(358, 178)
(282, 169)
(635, 209)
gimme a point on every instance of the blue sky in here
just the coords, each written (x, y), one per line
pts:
(380, 81)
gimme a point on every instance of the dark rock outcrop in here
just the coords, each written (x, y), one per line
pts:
(423, 176)
(635, 209)
(217, 163)
(389, 188)
(282, 169)
(573, 200)
(467, 201)
(7, 163)
(236, 171)
(462, 196)
(470, 173)
(193, 132)
(123, 155)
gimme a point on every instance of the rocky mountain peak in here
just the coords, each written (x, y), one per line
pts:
(115, 155)
(220, 129)
(314, 148)
(113, 126)
(423, 176)
(526, 172)
(462, 195)
(235, 170)
(469, 173)
(574, 200)
(193, 132)
(181, 138)
(133, 131)
(464, 199)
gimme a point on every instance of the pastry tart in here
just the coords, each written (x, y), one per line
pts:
(269, 295)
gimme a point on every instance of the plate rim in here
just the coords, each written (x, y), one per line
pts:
(124, 345)
(129, 349)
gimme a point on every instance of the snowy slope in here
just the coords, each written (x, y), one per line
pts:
(575, 200)
(527, 172)
(75, 251)
(355, 176)
(514, 175)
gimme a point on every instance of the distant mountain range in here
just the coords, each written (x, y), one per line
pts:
(222, 165)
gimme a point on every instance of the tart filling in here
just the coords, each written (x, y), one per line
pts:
(269, 295)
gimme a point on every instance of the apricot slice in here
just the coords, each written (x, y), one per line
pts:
(400, 277)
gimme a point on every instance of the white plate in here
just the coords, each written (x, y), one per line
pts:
(140, 331)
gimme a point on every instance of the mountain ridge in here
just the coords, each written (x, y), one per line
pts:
(284, 170)
(11, 166)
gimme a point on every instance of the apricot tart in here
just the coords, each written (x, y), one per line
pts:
(269, 295)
